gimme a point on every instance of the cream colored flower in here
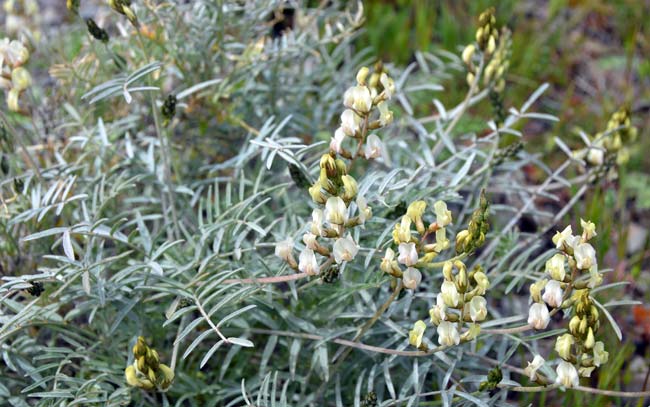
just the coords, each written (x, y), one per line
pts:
(450, 294)
(411, 278)
(283, 249)
(585, 256)
(533, 367)
(307, 262)
(345, 249)
(553, 294)
(601, 356)
(478, 309)
(408, 254)
(443, 215)
(417, 333)
(567, 375)
(555, 267)
(336, 212)
(374, 148)
(538, 316)
(402, 232)
(388, 261)
(563, 346)
(588, 229)
(448, 334)
(350, 122)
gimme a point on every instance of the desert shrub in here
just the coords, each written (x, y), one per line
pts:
(226, 203)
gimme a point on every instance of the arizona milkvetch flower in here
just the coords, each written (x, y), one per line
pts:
(337, 141)
(283, 249)
(408, 254)
(385, 115)
(350, 122)
(417, 333)
(564, 237)
(482, 282)
(388, 261)
(538, 316)
(335, 211)
(374, 147)
(307, 262)
(358, 98)
(588, 229)
(310, 240)
(533, 367)
(402, 232)
(567, 375)
(478, 308)
(438, 312)
(365, 212)
(345, 249)
(600, 354)
(443, 215)
(448, 334)
(411, 278)
(316, 225)
(563, 345)
(555, 267)
(585, 256)
(415, 211)
(553, 294)
(450, 293)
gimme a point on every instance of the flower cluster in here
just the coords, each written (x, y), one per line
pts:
(470, 239)
(414, 249)
(147, 372)
(573, 273)
(612, 144)
(487, 35)
(14, 78)
(361, 101)
(461, 299)
(336, 190)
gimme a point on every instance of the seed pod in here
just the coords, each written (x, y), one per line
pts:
(169, 108)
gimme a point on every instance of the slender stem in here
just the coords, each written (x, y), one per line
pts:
(267, 280)
(207, 318)
(18, 139)
(164, 147)
(465, 105)
(439, 264)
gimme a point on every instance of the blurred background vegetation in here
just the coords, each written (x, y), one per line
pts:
(594, 54)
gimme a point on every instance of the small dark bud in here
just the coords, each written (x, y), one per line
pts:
(19, 185)
(369, 400)
(4, 164)
(299, 178)
(36, 289)
(169, 108)
(97, 33)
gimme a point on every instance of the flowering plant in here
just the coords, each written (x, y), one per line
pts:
(221, 203)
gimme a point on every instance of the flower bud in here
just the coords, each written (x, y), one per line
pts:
(350, 187)
(20, 79)
(590, 341)
(316, 193)
(362, 75)
(388, 261)
(468, 53)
